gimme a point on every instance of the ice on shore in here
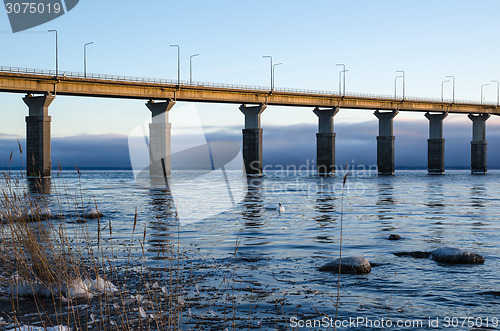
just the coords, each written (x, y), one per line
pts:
(102, 285)
(77, 289)
(37, 328)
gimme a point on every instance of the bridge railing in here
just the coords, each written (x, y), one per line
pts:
(264, 89)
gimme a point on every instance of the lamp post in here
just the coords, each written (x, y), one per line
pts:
(340, 79)
(453, 82)
(85, 58)
(272, 76)
(482, 86)
(396, 85)
(342, 72)
(191, 68)
(178, 63)
(498, 91)
(402, 72)
(442, 88)
(274, 65)
(57, 55)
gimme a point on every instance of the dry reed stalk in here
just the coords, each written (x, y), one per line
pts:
(340, 246)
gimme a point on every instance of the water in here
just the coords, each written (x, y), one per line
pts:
(277, 256)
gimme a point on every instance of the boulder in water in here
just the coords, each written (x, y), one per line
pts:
(93, 213)
(394, 237)
(451, 255)
(448, 255)
(355, 265)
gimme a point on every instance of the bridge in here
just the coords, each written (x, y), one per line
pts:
(42, 86)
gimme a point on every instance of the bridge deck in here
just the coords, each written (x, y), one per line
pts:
(18, 80)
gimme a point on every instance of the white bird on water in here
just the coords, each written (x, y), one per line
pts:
(279, 207)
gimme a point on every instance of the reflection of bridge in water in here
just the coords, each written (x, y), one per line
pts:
(325, 105)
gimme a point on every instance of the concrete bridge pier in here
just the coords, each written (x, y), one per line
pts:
(325, 141)
(38, 162)
(252, 139)
(160, 132)
(435, 143)
(478, 143)
(385, 142)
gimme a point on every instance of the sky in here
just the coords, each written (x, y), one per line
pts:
(427, 39)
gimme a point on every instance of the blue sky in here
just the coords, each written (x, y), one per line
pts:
(427, 39)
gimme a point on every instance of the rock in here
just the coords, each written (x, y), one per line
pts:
(93, 213)
(448, 255)
(451, 255)
(394, 237)
(356, 265)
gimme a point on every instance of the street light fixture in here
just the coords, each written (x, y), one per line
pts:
(57, 55)
(482, 91)
(396, 85)
(342, 72)
(498, 91)
(85, 58)
(402, 72)
(191, 68)
(178, 63)
(340, 79)
(453, 82)
(272, 76)
(274, 65)
(442, 88)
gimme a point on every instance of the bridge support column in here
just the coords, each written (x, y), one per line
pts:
(435, 143)
(252, 139)
(385, 142)
(160, 139)
(38, 162)
(325, 141)
(478, 143)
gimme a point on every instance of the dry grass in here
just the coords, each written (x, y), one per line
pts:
(48, 270)
(61, 278)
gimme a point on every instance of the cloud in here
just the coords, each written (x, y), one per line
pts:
(283, 145)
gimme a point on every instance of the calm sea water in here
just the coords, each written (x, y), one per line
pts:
(278, 254)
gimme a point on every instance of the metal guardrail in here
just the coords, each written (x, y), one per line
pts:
(263, 89)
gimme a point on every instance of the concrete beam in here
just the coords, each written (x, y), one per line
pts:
(160, 132)
(435, 143)
(385, 142)
(252, 139)
(325, 141)
(38, 151)
(478, 143)
(39, 83)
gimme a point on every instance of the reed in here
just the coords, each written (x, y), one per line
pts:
(344, 180)
(68, 276)
(63, 272)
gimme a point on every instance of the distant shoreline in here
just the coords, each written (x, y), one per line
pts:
(130, 169)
